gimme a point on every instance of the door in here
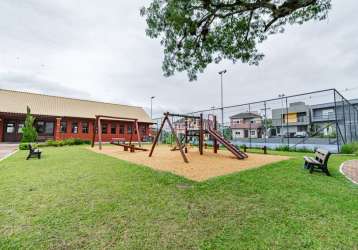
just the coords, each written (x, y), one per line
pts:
(13, 131)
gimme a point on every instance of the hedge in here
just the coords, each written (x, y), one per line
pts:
(52, 143)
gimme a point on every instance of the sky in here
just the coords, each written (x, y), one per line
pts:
(87, 50)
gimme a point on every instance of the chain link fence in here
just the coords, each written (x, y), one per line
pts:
(320, 119)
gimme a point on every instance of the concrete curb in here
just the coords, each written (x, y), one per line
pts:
(341, 170)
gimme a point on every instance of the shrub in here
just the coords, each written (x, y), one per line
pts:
(29, 133)
(52, 143)
(24, 146)
(351, 148)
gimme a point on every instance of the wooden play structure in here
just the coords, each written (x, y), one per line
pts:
(118, 141)
(208, 127)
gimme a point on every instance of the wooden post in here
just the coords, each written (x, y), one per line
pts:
(215, 142)
(201, 135)
(94, 131)
(99, 134)
(178, 142)
(158, 134)
(186, 135)
(138, 133)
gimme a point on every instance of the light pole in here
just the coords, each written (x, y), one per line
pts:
(151, 106)
(281, 96)
(221, 73)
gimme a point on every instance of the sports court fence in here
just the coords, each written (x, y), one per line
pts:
(320, 119)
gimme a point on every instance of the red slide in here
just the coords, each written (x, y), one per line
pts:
(234, 150)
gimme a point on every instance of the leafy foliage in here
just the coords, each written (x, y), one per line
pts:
(29, 133)
(198, 32)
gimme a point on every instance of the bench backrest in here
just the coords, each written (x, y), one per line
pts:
(322, 156)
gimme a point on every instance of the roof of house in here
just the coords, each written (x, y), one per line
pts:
(245, 116)
(16, 102)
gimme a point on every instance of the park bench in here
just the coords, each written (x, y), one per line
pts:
(319, 162)
(33, 152)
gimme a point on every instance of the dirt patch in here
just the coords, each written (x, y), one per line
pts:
(350, 170)
(199, 168)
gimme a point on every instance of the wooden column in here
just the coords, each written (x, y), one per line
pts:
(138, 133)
(157, 136)
(201, 135)
(99, 133)
(215, 142)
(94, 131)
(1, 129)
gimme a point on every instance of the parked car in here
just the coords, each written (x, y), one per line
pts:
(301, 134)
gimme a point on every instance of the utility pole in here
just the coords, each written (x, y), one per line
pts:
(221, 73)
(151, 106)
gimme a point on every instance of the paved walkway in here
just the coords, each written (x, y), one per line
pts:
(350, 170)
(6, 149)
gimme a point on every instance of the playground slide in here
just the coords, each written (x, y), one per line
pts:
(235, 151)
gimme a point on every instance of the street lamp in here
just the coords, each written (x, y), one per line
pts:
(151, 106)
(221, 73)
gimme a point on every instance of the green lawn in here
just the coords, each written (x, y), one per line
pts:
(74, 198)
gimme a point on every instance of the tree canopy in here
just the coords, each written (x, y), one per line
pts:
(195, 33)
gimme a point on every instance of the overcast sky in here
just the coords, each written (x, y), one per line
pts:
(98, 50)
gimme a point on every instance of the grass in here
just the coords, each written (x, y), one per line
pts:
(74, 198)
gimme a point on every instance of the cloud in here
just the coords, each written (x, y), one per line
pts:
(28, 82)
(83, 49)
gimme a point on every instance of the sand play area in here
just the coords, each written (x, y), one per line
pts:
(199, 168)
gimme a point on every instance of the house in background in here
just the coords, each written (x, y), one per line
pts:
(295, 119)
(246, 125)
(59, 118)
(323, 116)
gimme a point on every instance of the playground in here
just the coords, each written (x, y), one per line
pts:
(200, 167)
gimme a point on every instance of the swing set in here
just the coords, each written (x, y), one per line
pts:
(209, 128)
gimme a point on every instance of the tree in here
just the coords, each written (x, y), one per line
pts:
(195, 33)
(29, 133)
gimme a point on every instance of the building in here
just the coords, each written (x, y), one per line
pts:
(246, 125)
(296, 118)
(324, 119)
(59, 118)
(192, 125)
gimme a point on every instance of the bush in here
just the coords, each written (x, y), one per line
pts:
(52, 143)
(24, 146)
(29, 133)
(351, 148)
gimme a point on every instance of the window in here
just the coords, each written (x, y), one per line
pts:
(237, 132)
(74, 128)
(129, 129)
(20, 127)
(121, 129)
(10, 128)
(49, 126)
(85, 127)
(252, 132)
(113, 128)
(40, 127)
(45, 128)
(143, 130)
(104, 128)
(63, 127)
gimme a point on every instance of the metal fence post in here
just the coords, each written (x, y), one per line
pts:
(250, 129)
(287, 129)
(344, 121)
(350, 122)
(265, 124)
(336, 118)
